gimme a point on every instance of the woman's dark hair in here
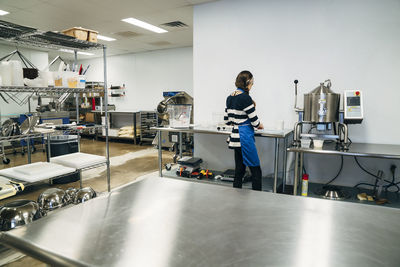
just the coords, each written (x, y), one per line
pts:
(243, 79)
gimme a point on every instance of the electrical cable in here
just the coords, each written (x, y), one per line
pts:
(377, 177)
(338, 173)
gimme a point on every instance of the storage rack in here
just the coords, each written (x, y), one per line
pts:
(148, 119)
(31, 37)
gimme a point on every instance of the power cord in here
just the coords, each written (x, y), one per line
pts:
(339, 172)
(376, 177)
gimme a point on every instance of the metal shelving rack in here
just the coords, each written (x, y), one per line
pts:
(31, 37)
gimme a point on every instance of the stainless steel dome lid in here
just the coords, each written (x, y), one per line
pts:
(17, 213)
(321, 105)
(51, 199)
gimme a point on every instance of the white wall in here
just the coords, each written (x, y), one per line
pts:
(40, 60)
(354, 43)
(146, 76)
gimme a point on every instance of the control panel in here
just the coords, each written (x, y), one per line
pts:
(353, 106)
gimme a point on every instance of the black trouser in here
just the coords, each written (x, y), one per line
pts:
(240, 170)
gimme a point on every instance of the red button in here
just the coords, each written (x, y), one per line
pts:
(357, 93)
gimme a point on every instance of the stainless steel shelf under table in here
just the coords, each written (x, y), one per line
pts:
(166, 222)
(355, 149)
(275, 134)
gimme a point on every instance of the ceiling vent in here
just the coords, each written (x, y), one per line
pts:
(160, 43)
(127, 34)
(175, 24)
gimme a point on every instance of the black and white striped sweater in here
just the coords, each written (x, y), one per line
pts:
(239, 109)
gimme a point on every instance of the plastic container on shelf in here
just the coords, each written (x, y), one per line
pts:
(81, 81)
(305, 143)
(48, 77)
(179, 115)
(6, 73)
(17, 73)
(304, 185)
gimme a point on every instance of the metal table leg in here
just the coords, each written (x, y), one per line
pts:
(284, 163)
(301, 166)
(28, 147)
(276, 163)
(48, 148)
(159, 154)
(180, 145)
(80, 178)
(296, 173)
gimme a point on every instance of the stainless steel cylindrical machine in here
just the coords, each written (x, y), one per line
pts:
(321, 105)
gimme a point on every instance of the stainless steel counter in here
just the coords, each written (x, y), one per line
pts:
(212, 130)
(269, 133)
(166, 222)
(355, 149)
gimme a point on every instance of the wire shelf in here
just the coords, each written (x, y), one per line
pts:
(28, 36)
(51, 133)
(25, 89)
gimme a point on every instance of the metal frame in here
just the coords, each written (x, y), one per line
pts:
(30, 37)
(355, 149)
(276, 136)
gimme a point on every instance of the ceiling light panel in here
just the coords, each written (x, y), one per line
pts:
(144, 25)
(105, 38)
(79, 52)
(2, 12)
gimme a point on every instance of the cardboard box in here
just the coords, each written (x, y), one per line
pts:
(77, 32)
(82, 34)
(89, 117)
(92, 36)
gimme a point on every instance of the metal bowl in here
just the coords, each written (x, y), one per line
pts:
(17, 213)
(332, 192)
(84, 195)
(51, 199)
(70, 194)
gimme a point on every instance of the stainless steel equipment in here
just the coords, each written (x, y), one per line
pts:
(17, 213)
(332, 192)
(51, 199)
(170, 140)
(322, 112)
(166, 222)
(84, 195)
(321, 105)
(70, 194)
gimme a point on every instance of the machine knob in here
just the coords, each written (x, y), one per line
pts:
(296, 81)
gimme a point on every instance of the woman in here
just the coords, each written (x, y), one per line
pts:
(240, 112)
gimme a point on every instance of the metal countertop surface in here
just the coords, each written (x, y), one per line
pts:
(166, 222)
(355, 149)
(212, 130)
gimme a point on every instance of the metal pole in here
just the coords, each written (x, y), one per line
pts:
(80, 179)
(106, 118)
(28, 146)
(301, 165)
(276, 163)
(159, 154)
(296, 173)
(284, 163)
(134, 128)
(180, 144)
(76, 95)
(48, 148)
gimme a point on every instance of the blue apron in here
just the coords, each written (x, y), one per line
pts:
(248, 144)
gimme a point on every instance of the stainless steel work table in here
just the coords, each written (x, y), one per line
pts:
(355, 149)
(275, 134)
(166, 222)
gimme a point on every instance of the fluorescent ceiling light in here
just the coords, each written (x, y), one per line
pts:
(79, 52)
(2, 12)
(105, 38)
(144, 25)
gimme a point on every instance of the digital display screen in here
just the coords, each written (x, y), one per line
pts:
(353, 101)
